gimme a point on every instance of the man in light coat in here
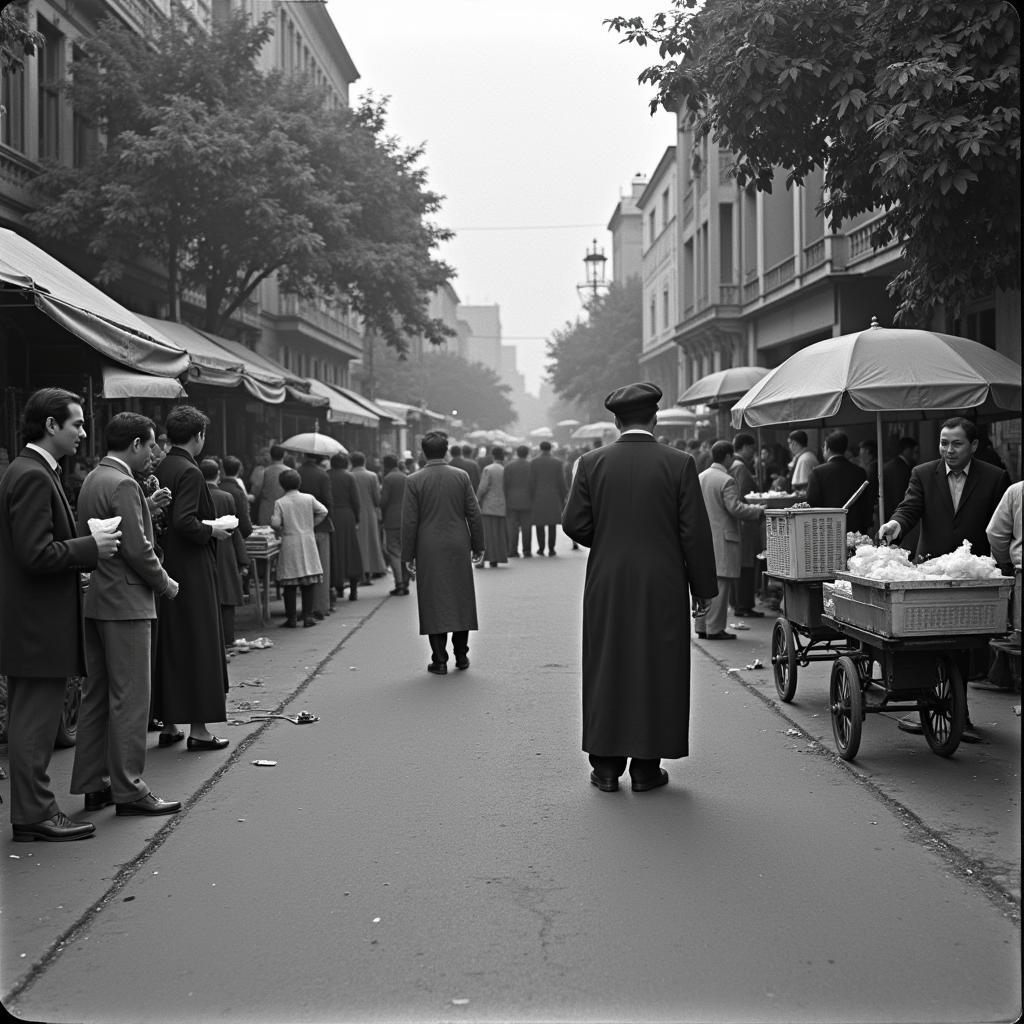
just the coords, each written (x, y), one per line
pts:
(726, 512)
(392, 491)
(368, 527)
(442, 537)
(120, 607)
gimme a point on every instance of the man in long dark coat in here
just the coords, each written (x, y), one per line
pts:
(547, 495)
(191, 677)
(637, 505)
(346, 561)
(442, 535)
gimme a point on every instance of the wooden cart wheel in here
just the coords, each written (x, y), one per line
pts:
(846, 705)
(784, 659)
(944, 714)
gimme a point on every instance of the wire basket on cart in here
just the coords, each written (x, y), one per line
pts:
(805, 543)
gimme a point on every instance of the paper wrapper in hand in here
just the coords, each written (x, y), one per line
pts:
(222, 522)
(104, 525)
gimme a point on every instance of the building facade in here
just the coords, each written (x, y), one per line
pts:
(626, 228)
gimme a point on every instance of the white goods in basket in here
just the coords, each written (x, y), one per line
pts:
(892, 564)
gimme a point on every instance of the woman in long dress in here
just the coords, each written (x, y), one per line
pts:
(298, 565)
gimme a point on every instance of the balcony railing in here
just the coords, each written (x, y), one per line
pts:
(751, 290)
(782, 273)
(729, 294)
(859, 245)
(814, 254)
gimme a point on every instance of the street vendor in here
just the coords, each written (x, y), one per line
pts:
(1004, 534)
(952, 499)
(803, 462)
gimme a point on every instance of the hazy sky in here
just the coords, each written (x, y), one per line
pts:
(532, 119)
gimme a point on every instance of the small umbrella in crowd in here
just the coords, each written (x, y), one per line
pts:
(314, 443)
(722, 386)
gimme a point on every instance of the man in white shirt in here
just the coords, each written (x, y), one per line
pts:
(803, 462)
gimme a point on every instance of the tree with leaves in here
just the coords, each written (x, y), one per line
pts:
(443, 382)
(17, 39)
(591, 356)
(227, 175)
(908, 106)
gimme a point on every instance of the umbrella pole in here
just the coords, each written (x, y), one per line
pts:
(760, 465)
(878, 469)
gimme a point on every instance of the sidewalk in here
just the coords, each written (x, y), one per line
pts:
(969, 802)
(268, 680)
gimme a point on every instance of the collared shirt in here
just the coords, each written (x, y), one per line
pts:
(636, 430)
(50, 460)
(956, 483)
(123, 463)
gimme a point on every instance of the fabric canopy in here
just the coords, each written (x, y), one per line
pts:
(209, 364)
(382, 414)
(84, 311)
(118, 383)
(341, 409)
(722, 386)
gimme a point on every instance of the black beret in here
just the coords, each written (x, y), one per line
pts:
(634, 400)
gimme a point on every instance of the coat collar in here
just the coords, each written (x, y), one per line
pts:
(643, 438)
(112, 463)
(185, 454)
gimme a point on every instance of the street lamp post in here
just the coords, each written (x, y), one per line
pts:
(594, 264)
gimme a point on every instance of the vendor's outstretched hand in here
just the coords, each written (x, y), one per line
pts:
(889, 532)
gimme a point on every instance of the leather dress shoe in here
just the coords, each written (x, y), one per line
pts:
(399, 592)
(603, 782)
(213, 743)
(643, 785)
(911, 724)
(701, 636)
(438, 668)
(99, 799)
(970, 734)
(721, 635)
(312, 620)
(462, 663)
(318, 615)
(168, 739)
(149, 804)
(58, 829)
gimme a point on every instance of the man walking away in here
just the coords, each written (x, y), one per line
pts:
(316, 482)
(368, 527)
(726, 512)
(637, 505)
(268, 488)
(41, 557)
(392, 491)
(516, 481)
(120, 607)
(346, 560)
(491, 496)
(547, 494)
(442, 536)
(744, 588)
(461, 458)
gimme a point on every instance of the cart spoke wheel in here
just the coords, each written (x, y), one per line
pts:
(784, 659)
(846, 705)
(944, 713)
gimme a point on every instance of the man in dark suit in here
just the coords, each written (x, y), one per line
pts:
(392, 490)
(516, 481)
(952, 499)
(41, 634)
(231, 482)
(315, 481)
(461, 458)
(231, 553)
(120, 606)
(896, 478)
(637, 505)
(744, 587)
(547, 495)
(833, 483)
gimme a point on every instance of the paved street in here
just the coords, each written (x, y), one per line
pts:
(431, 849)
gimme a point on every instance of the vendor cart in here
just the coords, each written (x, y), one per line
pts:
(914, 631)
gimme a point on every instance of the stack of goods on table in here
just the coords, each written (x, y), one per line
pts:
(262, 542)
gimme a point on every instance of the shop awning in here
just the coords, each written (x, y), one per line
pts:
(209, 364)
(86, 312)
(382, 414)
(119, 383)
(341, 409)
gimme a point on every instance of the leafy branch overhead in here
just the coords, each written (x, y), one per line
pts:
(910, 107)
(227, 175)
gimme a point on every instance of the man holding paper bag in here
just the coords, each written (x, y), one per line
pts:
(120, 606)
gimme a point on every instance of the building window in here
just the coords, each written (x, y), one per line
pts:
(725, 243)
(664, 307)
(650, 228)
(688, 271)
(653, 318)
(664, 207)
(12, 99)
(51, 72)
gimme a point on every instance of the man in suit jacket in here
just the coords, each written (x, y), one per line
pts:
(833, 483)
(392, 491)
(231, 482)
(896, 478)
(120, 606)
(269, 488)
(518, 502)
(461, 458)
(744, 587)
(952, 499)
(41, 635)
(726, 511)
(547, 494)
(315, 481)
(636, 504)
(231, 553)
(442, 536)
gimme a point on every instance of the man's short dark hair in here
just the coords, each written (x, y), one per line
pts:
(339, 461)
(455, 451)
(232, 466)
(389, 462)
(969, 427)
(498, 453)
(43, 404)
(869, 445)
(837, 442)
(693, 444)
(742, 440)
(523, 452)
(467, 451)
(545, 446)
(290, 480)
(276, 452)
(800, 436)
(358, 459)
(906, 444)
(434, 444)
(184, 422)
(124, 428)
(722, 450)
(210, 469)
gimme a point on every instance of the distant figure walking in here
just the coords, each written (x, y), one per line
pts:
(346, 559)
(491, 495)
(442, 535)
(547, 494)
(518, 502)
(637, 505)
(369, 518)
(392, 494)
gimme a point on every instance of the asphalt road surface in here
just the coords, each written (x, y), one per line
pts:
(432, 850)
